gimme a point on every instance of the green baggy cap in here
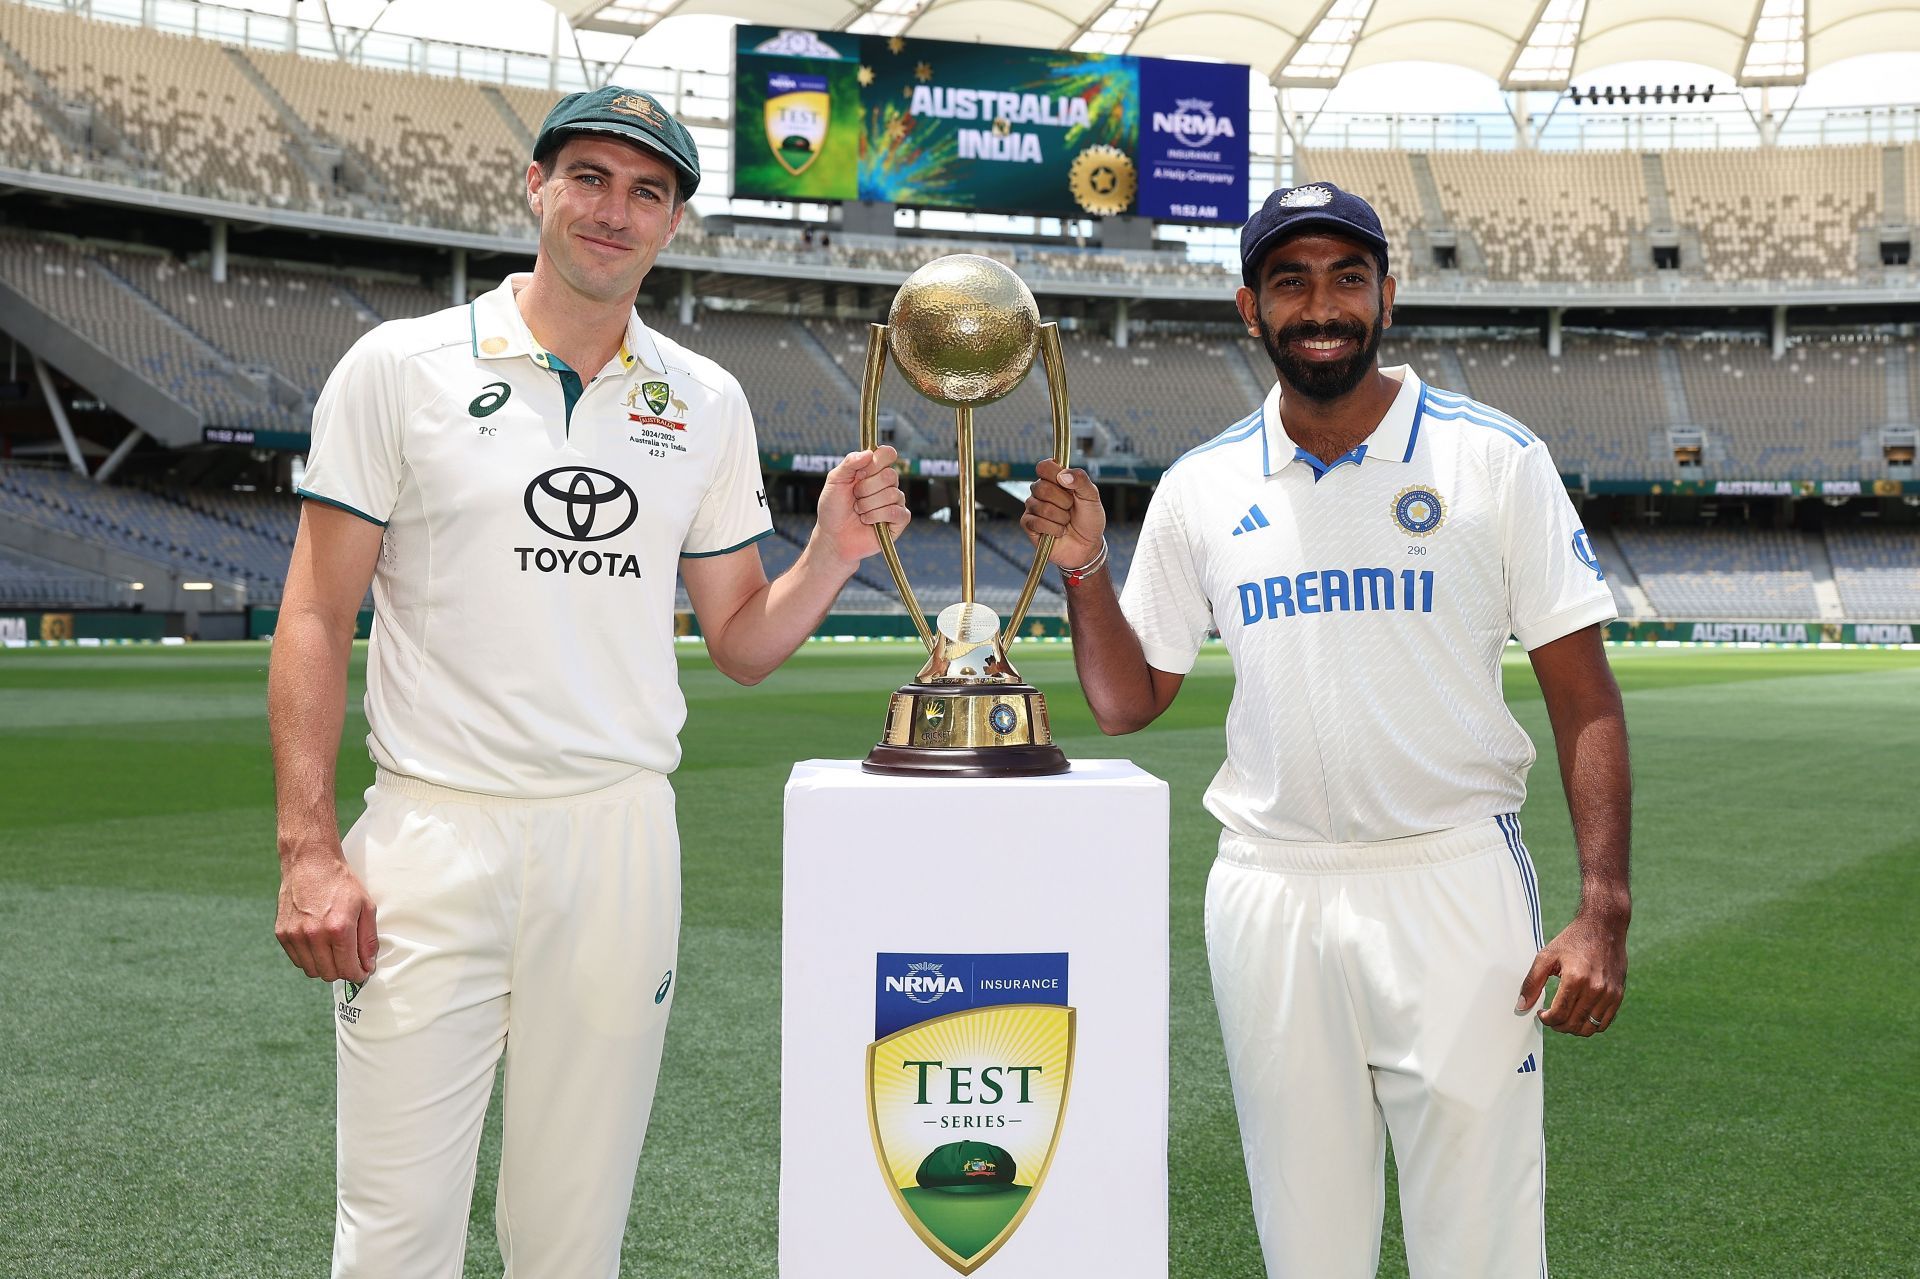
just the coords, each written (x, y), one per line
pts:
(624, 113)
(966, 1167)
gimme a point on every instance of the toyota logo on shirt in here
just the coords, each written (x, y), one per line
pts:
(582, 504)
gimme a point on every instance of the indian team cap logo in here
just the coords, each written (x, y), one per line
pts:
(1306, 198)
(1418, 510)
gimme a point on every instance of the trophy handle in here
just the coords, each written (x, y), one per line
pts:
(876, 371)
(1056, 367)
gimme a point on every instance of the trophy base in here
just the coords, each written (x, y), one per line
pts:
(967, 730)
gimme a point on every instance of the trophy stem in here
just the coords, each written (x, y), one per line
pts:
(869, 440)
(964, 421)
(1055, 363)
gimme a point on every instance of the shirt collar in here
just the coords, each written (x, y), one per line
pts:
(1393, 440)
(500, 332)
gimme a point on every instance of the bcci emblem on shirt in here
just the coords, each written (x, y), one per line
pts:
(967, 1082)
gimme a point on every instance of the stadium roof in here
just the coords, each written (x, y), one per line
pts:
(1522, 44)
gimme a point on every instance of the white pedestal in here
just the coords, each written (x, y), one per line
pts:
(1037, 895)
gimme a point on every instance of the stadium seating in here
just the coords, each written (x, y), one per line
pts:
(28, 583)
(25, 139)
(1545, 215)
(294, 322)
(189, 119)
(1787, 213)
(1598, 406)
(1802, 415)
(93, 296)
(438, 152)
(390, 300)
(1877, 572)
(161, 529)
(191, 115)
(798, 405)
(1745, 574)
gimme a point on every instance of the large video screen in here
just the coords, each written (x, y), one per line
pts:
(941, 124)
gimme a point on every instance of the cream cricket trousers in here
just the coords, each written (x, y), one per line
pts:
(1367, 989)
(541, 931)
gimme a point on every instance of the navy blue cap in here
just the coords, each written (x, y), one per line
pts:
(1316, 206)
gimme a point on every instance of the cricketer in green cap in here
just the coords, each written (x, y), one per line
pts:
(628, 114)
(609, 183)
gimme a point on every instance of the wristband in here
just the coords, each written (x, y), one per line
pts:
(1075, 576)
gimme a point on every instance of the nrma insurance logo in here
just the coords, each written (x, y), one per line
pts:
(1192, 122)
(924, 983)
(967, 1082)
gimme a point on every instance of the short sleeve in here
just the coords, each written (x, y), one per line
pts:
(358, 453)
(1556, 585)
(1162, 599)
(733, 512)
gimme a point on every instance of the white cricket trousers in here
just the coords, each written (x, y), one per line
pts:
(1366, 989)
(544, 931)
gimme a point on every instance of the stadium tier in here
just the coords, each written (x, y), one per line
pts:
(1877, 572)
(29, 583)
(1733, 573)
(285, 130)
(255, 350)
(159, 110)
(166, 530)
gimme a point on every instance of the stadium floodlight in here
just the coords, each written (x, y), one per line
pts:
(1629, 95)
(196, 586)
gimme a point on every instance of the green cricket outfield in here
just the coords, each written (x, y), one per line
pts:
(166, 1077)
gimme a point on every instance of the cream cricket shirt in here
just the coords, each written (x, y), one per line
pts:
(523, 602)
(1365, 605)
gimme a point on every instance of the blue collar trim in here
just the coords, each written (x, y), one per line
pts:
(1356, 455)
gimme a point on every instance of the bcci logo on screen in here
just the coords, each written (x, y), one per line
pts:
(965, 1105)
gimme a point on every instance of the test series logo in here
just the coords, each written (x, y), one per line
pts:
(967, 1083)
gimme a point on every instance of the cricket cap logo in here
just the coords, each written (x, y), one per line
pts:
(634, 104)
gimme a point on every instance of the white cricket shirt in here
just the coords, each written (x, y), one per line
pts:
(523, 602)
(1365, 605)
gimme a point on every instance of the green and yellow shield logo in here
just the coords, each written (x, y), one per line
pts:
(798, 112)
(657, 394)
(966, 1111)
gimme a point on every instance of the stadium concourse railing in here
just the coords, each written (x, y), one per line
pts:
(1090, 272)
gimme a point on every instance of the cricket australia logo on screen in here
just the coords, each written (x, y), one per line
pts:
(798, 114)
(967, 1082)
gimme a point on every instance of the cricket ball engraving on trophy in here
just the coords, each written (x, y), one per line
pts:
(964, 331)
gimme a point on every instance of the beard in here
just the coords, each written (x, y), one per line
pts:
(1311, 378)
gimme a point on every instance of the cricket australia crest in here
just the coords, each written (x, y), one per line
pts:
(967, 1083)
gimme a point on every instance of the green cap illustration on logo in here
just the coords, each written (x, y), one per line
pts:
(967, 1168)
